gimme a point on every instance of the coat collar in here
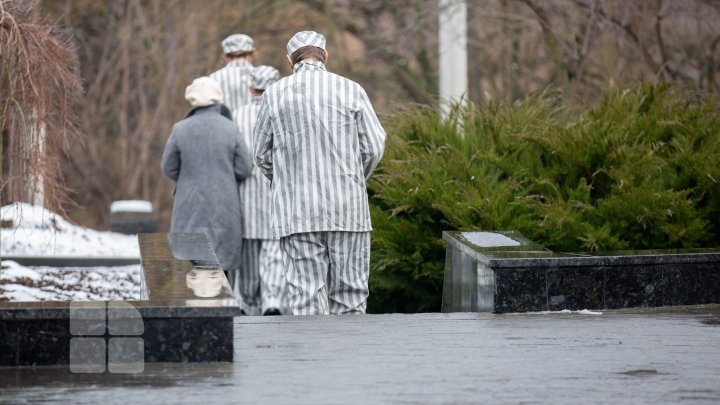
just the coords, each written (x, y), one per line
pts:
(209, 109)
(309, 65)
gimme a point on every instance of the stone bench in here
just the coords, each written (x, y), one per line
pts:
(505, 272)
(185, 315)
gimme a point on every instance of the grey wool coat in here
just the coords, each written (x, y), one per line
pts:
(206, 158)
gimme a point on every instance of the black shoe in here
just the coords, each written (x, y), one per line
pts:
(272, 311)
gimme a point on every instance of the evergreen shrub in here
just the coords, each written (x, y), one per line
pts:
(638, 170)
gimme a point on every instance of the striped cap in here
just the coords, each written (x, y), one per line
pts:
(305, 38)
(237, 43)
(263, 76)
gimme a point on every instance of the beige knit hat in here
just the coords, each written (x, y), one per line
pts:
(203, 91)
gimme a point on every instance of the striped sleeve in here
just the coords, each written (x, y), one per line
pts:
(241, 162)
(370, 134)
(263, 140)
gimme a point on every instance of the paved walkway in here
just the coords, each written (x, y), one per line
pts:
(617, 357)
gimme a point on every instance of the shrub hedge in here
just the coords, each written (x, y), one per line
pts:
(638, 170)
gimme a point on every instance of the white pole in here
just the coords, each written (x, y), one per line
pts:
(453, 53)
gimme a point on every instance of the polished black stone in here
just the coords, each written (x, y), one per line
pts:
(691, 284)
(574, 288)
(520, 290)
(47, 342)
(527, 277)
(189, 340)
(633, 286)
(186, 314)
(34, 342)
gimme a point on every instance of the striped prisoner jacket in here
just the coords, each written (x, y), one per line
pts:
(255, 196)
(318, 139)
(234, 81)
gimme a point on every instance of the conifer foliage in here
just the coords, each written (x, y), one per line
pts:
(638, 170)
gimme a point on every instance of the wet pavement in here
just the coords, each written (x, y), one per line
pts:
(632, 356)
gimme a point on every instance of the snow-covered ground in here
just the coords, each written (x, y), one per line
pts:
(33, 231)
(36, 231)
(20, 283)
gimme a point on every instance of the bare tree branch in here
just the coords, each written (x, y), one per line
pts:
(386, 51)
(39, 85)
(664, 63)
(552, 41)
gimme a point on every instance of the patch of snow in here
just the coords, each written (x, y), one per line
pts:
(38, 232)
(589, 312)
(21, 284)
(21, 293)
(561, 312)
(13, 271)
(131, 206)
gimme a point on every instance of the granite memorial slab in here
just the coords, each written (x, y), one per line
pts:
(506, 272)
(185, 315)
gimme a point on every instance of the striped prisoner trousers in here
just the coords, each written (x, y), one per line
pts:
(260, 281)
(327, 272)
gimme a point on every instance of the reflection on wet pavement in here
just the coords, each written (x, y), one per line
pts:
(639, 357)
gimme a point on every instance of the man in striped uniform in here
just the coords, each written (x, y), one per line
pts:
(262, 279)
(318, 139)
(234, 78)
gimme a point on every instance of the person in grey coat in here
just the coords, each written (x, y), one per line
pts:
(206, 158)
